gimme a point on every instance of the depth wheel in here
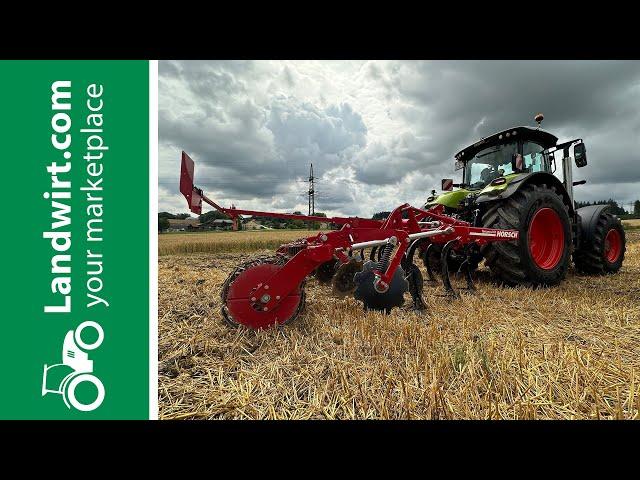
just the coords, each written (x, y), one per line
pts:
(237, 291)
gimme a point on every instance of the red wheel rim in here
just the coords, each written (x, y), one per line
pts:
(612, 245)
(245, 312)
(546, 238)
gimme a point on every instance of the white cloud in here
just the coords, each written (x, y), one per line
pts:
(380, 133)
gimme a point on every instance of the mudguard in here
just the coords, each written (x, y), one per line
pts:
(588, 221)
(448, 199)
(524, 179)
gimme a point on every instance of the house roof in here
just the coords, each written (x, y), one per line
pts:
(181, 223)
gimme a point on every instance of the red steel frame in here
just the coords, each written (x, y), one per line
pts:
(323, 247)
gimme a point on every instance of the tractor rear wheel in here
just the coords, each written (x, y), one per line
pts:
(605, 251)
(540, 257)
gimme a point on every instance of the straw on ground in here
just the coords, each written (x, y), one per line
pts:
(562, 353)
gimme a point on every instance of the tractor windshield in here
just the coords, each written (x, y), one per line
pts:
(489, 164)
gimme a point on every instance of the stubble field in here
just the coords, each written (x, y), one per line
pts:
(564, 353)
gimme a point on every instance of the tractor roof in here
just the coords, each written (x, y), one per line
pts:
(533, 134)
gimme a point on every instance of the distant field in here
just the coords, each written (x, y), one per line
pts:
(632, 223)
(213, 242)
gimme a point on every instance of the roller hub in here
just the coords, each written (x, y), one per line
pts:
(613, 245)
(546, 238)
(241, 307)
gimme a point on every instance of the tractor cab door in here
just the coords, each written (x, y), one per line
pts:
(534, 158)
(560, 162)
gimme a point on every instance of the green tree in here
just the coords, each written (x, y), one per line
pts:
(316, 225)
(172, 216)
(163, 224)
(380, 215)
(297, 224)
(636, 208)
(212, 215)
(615, 208)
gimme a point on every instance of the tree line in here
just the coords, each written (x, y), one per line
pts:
(286, 223)
(615, 208)
(164, 217)
(269, 222)
(282, 223)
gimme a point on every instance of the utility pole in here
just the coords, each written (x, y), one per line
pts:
(312, 206)
(235, 220)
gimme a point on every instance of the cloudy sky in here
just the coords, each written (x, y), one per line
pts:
(381, 133)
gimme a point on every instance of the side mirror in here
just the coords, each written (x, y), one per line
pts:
(580, 154)
(447, 184)
(551, 162)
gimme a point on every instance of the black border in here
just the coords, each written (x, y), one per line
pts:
(504, 30)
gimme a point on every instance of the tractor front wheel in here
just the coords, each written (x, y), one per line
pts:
(602, 250)
(541, 255)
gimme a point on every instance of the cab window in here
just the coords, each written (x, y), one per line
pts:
(489, 164)
(533, 158)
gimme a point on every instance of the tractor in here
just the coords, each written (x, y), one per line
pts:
(510, 181)
(510, 210)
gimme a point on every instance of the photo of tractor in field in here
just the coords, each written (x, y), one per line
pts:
(474, 258)
(514, 209)
(513, 180)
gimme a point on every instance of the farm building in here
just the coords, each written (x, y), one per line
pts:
(180, 225)
(221, 224)
(252, 224)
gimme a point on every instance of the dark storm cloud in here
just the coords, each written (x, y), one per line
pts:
(251, 151)
(384, 132)
(458, 102)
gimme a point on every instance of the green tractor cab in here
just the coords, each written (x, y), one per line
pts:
(511, 180)
(490, 165)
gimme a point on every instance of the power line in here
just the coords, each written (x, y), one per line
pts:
(312, 203)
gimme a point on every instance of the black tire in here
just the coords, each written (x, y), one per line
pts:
(511, 263)
(591, 258)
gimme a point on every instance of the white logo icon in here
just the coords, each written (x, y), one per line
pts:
(76, 368)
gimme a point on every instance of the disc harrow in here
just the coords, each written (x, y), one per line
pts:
(269, 291)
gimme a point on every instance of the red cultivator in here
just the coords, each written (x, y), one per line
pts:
(270, 290)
